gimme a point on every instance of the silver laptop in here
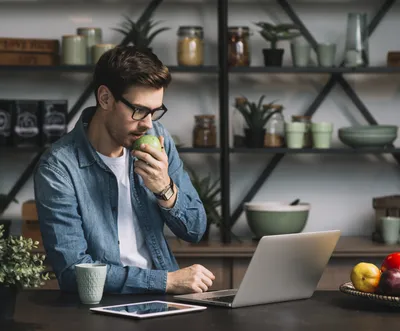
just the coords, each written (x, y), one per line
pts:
(283, 268)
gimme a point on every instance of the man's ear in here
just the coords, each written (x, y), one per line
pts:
(104, 97)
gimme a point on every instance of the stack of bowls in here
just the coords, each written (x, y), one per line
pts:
(276, 217)
(368, 135)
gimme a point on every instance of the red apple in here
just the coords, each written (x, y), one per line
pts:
(392, 261)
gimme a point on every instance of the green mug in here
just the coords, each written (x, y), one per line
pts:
(93, 37)
(99, 49)
(74, 50)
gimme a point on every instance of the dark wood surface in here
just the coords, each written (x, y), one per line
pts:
(333, 310)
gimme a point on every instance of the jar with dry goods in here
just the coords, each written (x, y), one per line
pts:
(238, 46)
(204, 132)
(190, 48)
(275, 127)
(307, 135)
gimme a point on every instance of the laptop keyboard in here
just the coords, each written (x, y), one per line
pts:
(226, 298)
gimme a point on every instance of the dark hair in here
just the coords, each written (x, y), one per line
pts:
(125, 66)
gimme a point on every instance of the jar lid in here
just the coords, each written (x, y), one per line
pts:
(239, 29)
(301, 117)
(190, 30)
(240, 100)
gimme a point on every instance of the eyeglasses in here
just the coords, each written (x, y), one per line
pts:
(140, 112)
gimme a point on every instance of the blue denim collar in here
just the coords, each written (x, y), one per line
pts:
(87, 155)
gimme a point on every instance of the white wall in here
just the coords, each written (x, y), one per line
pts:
(340, 188)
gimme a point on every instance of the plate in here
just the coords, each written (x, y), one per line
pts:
(387, 300)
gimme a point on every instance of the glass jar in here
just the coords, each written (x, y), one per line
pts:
(275, 127)
(238, 46)
(190, 48)
(307, 135)
(204, 132)
(238, 124)
(356, 51)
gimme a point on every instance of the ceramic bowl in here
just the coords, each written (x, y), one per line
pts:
(272, 218)
(365, 139)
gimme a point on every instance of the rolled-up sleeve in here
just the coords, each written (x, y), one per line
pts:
(64, 240)
(187, 218)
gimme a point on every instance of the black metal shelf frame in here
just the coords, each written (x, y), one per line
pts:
(223, 79)
(336, 77)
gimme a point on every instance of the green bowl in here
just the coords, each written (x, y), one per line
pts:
(370, 129)
(366, 139)
(273, 218)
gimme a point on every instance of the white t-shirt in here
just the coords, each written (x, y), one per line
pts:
(133, 249)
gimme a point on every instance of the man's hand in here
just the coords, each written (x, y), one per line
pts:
(193, 279)
(152, 166)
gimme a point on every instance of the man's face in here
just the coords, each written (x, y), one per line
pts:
(119, 123)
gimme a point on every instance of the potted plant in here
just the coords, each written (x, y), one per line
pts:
(274, 33)
(139, 33)
(5, 223)
(256, 117)
(19, 269)
(208, 191)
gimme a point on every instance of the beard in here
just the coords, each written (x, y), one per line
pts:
(123, 138)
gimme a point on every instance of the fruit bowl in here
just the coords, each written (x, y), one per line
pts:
(393, 301)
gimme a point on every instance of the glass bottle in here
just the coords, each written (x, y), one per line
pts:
(307, 135)
(275, 127)
(204, 132)
(238, 46)
(238, 124)
(190, 48)
(356, 51)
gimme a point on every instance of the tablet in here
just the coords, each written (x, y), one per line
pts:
(148, 309)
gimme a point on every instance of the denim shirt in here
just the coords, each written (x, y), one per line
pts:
(77, 198)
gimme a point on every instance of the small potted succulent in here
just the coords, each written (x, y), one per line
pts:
(140, 33)
(256, 117)
(19, 269)
(274, 33)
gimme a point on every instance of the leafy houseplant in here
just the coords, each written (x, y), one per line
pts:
(273, 34)
(256, 116)
(139, 33)
(19, 269)
(208, 191)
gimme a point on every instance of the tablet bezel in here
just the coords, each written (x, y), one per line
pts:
(189, 308)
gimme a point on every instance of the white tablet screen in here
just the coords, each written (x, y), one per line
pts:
(147, 308)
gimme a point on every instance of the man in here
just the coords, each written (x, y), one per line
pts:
(99, 202)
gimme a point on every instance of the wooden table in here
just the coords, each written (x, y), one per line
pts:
(332, 310)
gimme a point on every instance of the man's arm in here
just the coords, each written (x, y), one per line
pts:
(187, 217)
(65, 243)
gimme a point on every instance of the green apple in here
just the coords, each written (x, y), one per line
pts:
(147, 139)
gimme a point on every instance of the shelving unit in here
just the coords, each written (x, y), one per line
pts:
(224, 73)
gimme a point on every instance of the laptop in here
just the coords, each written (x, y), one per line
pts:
(283, 268)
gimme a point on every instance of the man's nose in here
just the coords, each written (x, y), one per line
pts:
(147, 122)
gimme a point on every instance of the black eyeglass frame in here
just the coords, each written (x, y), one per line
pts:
(135, 108)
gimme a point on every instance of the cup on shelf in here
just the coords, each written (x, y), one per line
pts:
(93, 37)
(99, 49)
(322, 134)
(326, 53)
(74, 50)
(301, 52)
(294, 134)
(90, 278)
(390, 228)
